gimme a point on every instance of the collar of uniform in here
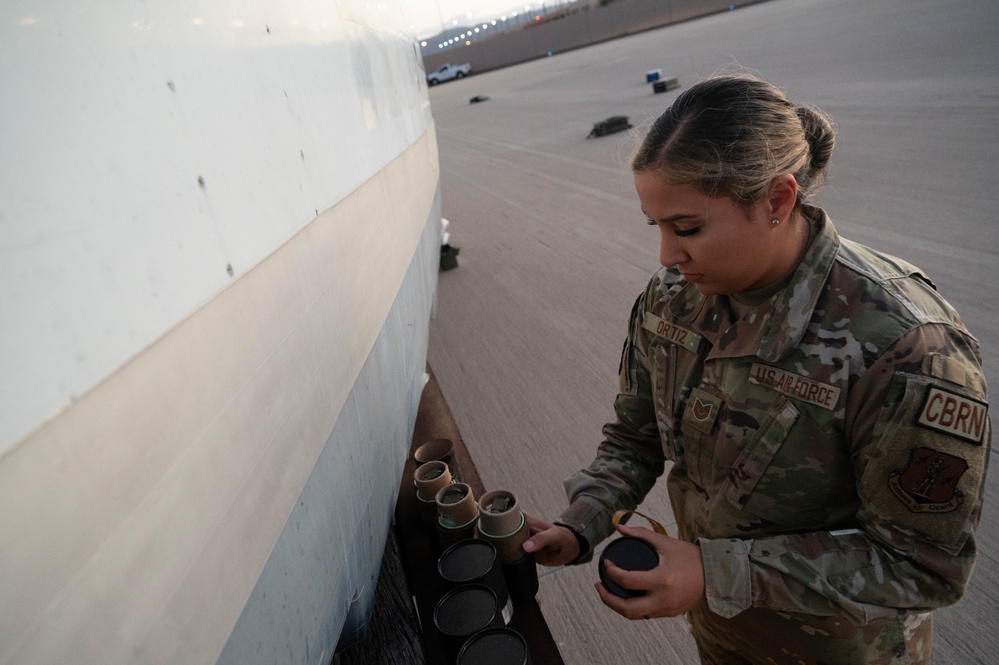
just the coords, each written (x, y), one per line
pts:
(781, 321)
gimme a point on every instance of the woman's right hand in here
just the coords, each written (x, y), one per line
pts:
(551, 545)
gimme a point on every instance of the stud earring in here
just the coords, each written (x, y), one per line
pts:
(775, 222)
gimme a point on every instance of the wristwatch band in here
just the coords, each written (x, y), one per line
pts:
(584, 544)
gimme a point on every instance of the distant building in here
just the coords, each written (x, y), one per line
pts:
(466, 35)
(557, 27)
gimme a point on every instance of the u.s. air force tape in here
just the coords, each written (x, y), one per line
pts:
(793, 385)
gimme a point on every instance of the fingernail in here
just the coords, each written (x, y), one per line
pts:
(528, 546)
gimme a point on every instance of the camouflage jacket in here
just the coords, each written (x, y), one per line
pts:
(829, 448)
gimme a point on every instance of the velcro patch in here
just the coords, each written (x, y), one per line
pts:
(793, 385)
(953, 414)
(946, 368)
(671, 332)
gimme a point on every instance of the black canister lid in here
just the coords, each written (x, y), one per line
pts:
(627, 553)
(465, 610)
(494, 646)
(466, 560)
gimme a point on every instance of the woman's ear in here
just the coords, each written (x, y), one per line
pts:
(782, 196)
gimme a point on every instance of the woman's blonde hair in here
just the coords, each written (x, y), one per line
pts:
(731, 135)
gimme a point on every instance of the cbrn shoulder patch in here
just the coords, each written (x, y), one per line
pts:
(948, 412)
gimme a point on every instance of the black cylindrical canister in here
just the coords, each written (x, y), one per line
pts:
(475, 561)
(522, 578)
(495, 646)
(627, 553)
(464, 611)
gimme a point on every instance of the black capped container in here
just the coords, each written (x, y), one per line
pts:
(522, 578)
(627, 553)
(495, 646)
(475, 561)
(464, 611)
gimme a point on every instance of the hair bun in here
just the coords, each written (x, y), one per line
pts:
(820, 134)
(731, 135)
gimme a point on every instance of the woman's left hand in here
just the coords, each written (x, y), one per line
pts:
(673, 587)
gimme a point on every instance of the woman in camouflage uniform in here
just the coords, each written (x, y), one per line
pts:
(824, 409)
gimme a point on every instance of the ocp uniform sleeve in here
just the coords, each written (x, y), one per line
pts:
(920, 435)
(630, 458)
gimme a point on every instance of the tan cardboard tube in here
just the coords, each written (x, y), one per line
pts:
(499, 513)
(502, 523)
(438, 450)
(457, 503)
(431, 478)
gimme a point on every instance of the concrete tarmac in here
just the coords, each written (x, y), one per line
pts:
(554, 247)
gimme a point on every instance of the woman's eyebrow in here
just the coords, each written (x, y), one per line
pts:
(673, 218)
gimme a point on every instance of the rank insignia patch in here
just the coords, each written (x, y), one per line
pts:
(953, 414)
(929, 483)
(702, 410)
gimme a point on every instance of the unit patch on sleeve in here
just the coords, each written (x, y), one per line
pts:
(953, 414)
(929, 483)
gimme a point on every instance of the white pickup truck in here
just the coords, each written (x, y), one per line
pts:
(447, 71)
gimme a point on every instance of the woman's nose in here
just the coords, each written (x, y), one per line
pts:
(670, 252)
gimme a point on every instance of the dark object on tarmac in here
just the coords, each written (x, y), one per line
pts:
(449, 257)
(477, 99)
(615, 123)
(663, 86)
(627, 553)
